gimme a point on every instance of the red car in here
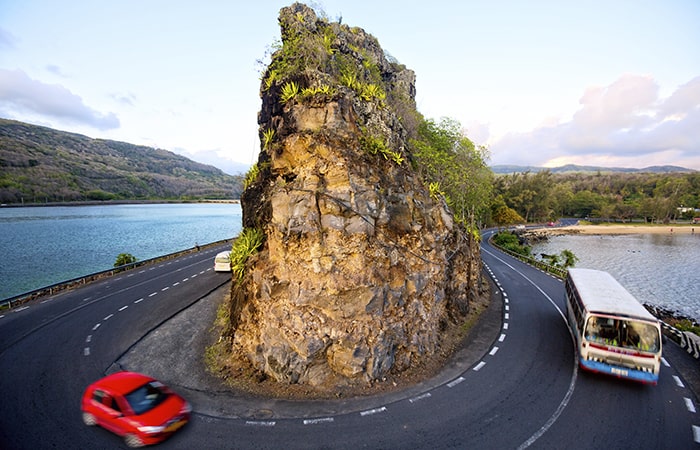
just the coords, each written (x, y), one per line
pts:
(135, 406)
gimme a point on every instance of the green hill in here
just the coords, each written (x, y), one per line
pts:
(43, 165)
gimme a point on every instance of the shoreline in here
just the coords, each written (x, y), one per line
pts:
(621, 229)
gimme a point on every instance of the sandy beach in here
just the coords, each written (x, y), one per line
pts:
(622, 229)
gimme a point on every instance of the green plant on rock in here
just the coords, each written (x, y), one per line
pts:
(244, 247)
(435, 191)
(369, 92)
(268, 136)
(374, 145)
(289, 91)
(272, 77)
(318, 90)
(251, 176)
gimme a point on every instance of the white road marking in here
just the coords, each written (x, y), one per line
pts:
(96, 327)
(165, 288)
(317, 421)
(420, 397)
(663, 360)
(493, 351)
(507, 307)
(193, 275)
(689, 404)
(505, 325)
(369, 412)
(138, 301)
(185, 279)
(152, 294)
(696, 433)
(86, 351)
(507, 316)
(21, 309)
(88, 338)
(123, 308)
(454, 383)
(678, 381)
(108, 317)
(2, 315)
(502, 337)
(176, 283)
(260, 423)
(479, 366)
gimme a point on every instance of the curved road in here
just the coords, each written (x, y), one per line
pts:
(523, 391)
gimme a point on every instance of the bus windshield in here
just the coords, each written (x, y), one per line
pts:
(623, 333)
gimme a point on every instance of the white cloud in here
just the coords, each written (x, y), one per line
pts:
(624, 124)
(21, 94)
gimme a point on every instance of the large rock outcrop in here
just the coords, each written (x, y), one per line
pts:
(361, 268)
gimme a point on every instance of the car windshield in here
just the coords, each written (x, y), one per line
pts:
(146, 397)
(623, 333)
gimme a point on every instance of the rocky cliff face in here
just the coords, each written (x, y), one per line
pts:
(361, 267)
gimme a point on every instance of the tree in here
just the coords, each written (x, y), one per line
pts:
(124, 259)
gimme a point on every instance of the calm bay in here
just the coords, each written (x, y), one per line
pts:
(45, 245)
(659, 269)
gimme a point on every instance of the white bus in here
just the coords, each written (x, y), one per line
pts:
(614, 333)
(222, 261)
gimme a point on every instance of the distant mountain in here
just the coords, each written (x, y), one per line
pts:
(506, 169)
(39, 164)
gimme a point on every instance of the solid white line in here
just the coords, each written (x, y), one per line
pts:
(420, 397)
(696, 433)
(86, 351)
(678, 381)
(479, 366)
(317, 421)
(689, 404)
(108, 317)
(454, 383)
(493, 351)
(663, 360)
(502, 337)
(96, 327)
(260, 423)
(373, 411)
(123, 308)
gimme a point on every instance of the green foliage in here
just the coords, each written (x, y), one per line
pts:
(687, 325)
(268, 136)
(124, 258)
(251, 176)
(444, 155)
(289, 92)
(243, 247)
(325, 89)
(435, 191)
(511, 242)
(375, 145)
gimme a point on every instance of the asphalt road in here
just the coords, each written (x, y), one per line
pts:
(517, 386)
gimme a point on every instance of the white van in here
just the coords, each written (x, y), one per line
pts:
(222, 262)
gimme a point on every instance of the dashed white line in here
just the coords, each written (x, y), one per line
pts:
(260, 423)
(123, 308)
(176, 283)
(689, 404)
(86, 351)
(108, 317)
(165, 288)
(2, 315)
(193, 275)
(507, 316)
(317, 421)
(678, 381)
(479, 366)
(507, 307)
(138, 301)
(202, 272)
(143, 271)
(493, 351)
(420, 397)
(96, 326)
(663, 360)
(185, 279)
(152, 294)
(505, 325)
(454, 383)
(696, 433)
(21, 309)
(88, 338)
(502, 337)
(369, 412)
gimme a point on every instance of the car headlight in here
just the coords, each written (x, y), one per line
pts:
(151, 429)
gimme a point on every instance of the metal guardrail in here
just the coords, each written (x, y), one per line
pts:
(556, 271)
(52, 289)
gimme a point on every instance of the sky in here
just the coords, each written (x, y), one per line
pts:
(539, 83)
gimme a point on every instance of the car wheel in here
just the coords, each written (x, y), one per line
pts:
(89, 419)
(133, 441)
